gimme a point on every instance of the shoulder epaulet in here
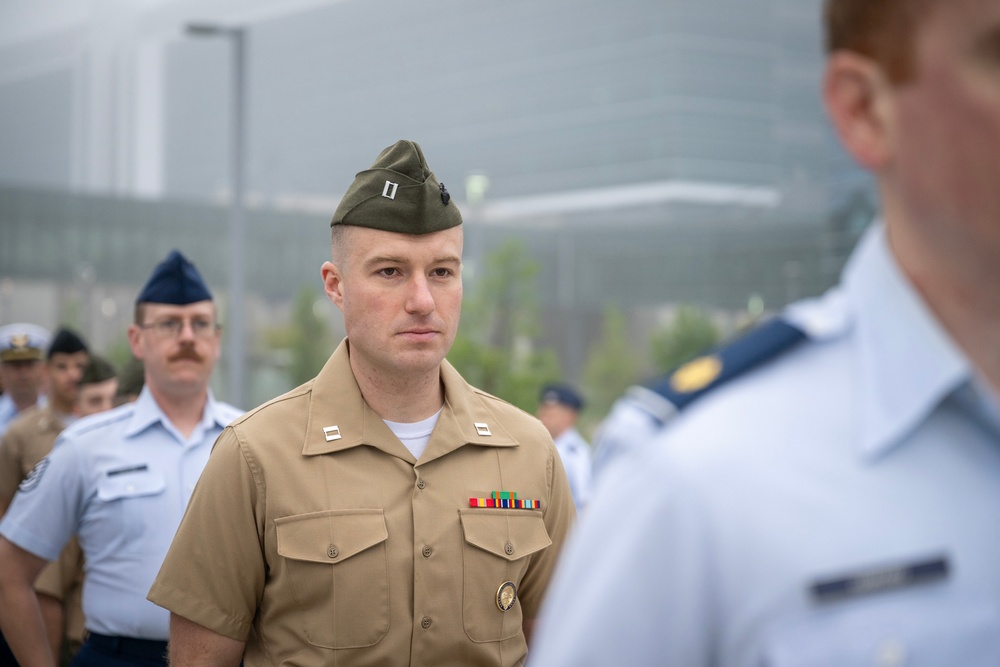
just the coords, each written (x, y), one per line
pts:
(690, 381)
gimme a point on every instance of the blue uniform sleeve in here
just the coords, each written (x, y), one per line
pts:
(634, 586)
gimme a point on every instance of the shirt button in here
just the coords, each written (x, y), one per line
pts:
(508, 548)
(425, 622)
(420, 484)
(333, 551)
(427, 551)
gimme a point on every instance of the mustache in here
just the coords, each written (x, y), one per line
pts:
(187, 353)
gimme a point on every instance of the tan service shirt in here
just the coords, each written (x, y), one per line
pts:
(28, 440)
(316, 537)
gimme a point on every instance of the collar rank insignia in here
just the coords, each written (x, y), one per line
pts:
(332, 433)
(506, 500)
(482, 428)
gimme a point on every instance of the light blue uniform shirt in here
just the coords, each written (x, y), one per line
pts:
(574, 452)
(838, 506)
(121, 481)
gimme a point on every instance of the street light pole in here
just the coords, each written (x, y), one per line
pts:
(236, 327)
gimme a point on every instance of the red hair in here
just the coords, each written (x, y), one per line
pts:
(883, 30)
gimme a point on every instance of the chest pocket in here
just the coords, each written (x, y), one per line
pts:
(130, 498)
(338, 570)
(497, 547)
(901, 630)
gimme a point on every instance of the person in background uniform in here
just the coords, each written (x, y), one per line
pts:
(60, 584)
(558, 410)
(98, 387)
(839, 504)
(30, 437)
(120, 481)
(385, 512)
(22, 373)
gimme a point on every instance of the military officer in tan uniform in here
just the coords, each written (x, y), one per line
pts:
(386, 512)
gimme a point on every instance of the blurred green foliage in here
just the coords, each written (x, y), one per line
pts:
(691, 333)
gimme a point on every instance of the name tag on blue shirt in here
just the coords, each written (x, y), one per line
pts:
(881, 579)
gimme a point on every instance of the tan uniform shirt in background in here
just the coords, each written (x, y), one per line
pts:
(29, 439)
(318, 550)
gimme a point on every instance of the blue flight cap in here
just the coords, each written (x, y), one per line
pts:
(563, 394)
(175, 280)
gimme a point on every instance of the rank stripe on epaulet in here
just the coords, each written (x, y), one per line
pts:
(694, 378)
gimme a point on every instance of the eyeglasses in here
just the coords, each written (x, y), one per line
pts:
(172, 327)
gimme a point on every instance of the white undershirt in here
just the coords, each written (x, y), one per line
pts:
(414, 435)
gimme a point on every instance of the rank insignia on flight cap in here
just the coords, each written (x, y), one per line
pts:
(506, 500)
(506, 595)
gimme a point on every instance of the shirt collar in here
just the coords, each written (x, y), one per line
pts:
(908, 362)
(146, 412)
(340, 419)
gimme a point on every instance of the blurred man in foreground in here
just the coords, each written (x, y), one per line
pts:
(837, 505)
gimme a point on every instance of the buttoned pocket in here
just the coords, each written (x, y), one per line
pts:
(339, 573)
(130, 496)
(899, 629)
(497, 549)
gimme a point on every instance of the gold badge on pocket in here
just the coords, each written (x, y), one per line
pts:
(506, 595)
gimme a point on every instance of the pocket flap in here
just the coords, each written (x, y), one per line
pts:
(509, 534)
(329, 536)
(131, 484)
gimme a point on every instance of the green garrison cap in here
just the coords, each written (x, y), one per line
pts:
(399, 193)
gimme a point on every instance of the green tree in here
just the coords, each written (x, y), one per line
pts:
(610, 367)
(496, 347)
(691, 333)
(305, 341)
(310, 341)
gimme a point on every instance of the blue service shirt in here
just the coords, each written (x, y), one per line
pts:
(574, 452)
(121, 481)
(838, 506)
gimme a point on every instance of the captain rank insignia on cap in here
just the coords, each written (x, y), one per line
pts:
(398, 193)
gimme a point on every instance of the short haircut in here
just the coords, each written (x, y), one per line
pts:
(883, 30)
(97, 370)
(338, 245)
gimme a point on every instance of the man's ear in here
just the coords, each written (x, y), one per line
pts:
(333, 283)
(858, 99)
